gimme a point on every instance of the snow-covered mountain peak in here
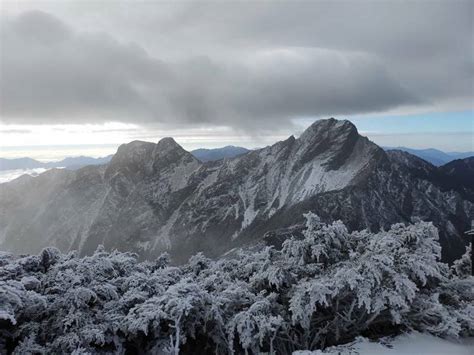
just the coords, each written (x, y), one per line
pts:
(332, 143)
(130, 158)
(132, 151)
(169, 153)
(168, 146)
(330, 126)
(145, 158)
(167, 143)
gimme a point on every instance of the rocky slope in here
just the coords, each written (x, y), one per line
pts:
(156, 197)
(459, 175)
(402, 188)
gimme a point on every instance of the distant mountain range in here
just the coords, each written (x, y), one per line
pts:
(434, 156)
(155, 197)
(71, 163)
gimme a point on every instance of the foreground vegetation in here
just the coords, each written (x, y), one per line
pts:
(320, 290)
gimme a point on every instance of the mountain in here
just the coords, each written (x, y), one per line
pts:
(71, 163)
(461, 171)
(152, 198)
(78, 162)
(229, 151)
(460, 175)
(460, 155)
(11, 169)
(434, 156)
(19, 163)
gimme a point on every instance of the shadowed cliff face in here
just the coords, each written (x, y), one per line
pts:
(158, 197)
(459, 174)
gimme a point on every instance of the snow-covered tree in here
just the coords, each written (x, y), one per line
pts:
(323, 288)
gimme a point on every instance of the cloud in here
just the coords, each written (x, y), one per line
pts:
(15, 131)
(9, 175)
(246, 67)
(51, 74)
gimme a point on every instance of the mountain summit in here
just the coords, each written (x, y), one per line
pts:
(158, 197)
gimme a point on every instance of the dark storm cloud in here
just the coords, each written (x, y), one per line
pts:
(240, 65)
(427, 46)
(50, 73)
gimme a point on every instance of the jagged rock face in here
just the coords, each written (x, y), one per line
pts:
(459, 175)
(398, 190)
(156, 197)
(240, 193)
(146, 183)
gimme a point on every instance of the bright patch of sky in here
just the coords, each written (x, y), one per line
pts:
(55, 142)
(439, 122)
(447, 131)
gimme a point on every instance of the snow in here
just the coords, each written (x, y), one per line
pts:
(408, 344)
(247, 197)
(209, 180)
(181, 174)
(249, 215)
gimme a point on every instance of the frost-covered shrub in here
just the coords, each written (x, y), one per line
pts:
(323, 289)
(462, 266)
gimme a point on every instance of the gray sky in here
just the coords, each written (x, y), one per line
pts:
(243, 68)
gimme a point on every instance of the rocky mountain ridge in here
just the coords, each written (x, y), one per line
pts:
(213, 154)
(152, 198)
(434, 156)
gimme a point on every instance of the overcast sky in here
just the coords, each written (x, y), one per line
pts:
(216, 73)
